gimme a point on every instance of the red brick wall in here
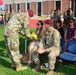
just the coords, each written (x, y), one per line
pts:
(44, 7)
(47, 6)
(33, 7)
(22, 7)
(14, 7)
(50, 6)
(65, 4)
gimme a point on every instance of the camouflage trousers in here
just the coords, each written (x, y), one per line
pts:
(51, 57)
(12, 45)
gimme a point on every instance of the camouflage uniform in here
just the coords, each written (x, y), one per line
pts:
(11, 30)
(11, 14)
(56, 16)
(51, 42)
(6, 18)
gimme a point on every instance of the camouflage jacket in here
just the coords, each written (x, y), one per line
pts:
(16, 23)
(11, 14)
(6, 16)
(51, 40)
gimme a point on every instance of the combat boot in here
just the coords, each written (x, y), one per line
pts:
(50, 72)
(37, 68)
(12, 65)
(19, 67)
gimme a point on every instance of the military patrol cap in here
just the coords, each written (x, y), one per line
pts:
(30, 12)
(48, 21)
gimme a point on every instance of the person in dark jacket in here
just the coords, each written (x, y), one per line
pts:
(60, 28)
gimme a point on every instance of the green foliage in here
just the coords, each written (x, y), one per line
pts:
(65, 68)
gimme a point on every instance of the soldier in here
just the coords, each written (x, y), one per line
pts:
(14, 26)
(56, 16)
(49, 43)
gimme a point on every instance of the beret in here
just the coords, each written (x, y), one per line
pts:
(48, 21)
(30, 12)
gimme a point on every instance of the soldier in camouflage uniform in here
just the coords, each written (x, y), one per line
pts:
(11, 30)
(56, 16)
(49, 43)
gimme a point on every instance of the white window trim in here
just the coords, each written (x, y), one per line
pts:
(26, 4)
(36, 8)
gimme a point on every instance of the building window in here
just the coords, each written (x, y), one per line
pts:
(39, 8)
(18, 7)
(58, 5)
(28, 6)
(10, 7)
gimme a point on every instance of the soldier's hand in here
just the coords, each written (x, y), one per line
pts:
(28, 38)
(41, 50)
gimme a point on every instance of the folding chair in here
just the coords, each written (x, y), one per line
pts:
(71, 54)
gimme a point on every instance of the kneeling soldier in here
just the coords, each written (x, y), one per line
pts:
(50, 43)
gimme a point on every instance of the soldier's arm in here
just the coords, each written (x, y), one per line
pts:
(26, 29)
(56, 45)
(22, 33)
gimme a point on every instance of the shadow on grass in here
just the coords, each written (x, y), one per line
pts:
(22, 45)
(3, 50)
(67, 68)
(4, 62)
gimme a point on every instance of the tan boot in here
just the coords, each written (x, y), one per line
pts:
(19, 67)
(49, 72)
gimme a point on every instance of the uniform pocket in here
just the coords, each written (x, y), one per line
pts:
(12, 46)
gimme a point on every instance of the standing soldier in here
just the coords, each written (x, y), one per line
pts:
(14, 26)
(50, 43)
(56, 17)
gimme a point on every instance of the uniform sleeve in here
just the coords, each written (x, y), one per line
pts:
(22, 33)
(56, 45)
(26, 29)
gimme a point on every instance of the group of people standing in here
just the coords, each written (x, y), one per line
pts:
(48, 40)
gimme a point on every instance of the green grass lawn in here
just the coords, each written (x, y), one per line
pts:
(5, 69)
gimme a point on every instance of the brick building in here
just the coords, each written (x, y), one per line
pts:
(40, 7)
